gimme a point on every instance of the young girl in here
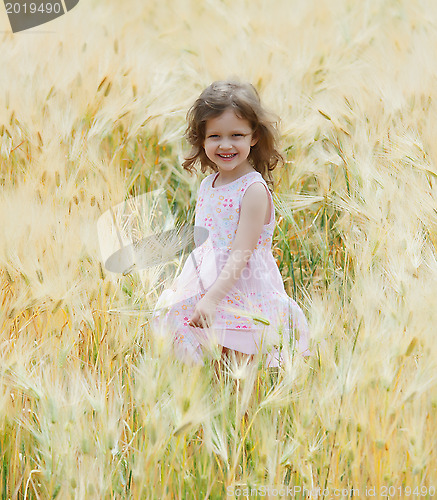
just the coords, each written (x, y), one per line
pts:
(230, 292)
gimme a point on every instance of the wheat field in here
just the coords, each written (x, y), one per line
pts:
(92, 111)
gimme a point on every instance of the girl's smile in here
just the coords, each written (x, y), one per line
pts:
(228, 139)
(227, 157)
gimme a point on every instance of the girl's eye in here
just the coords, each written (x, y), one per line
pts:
(212, 136)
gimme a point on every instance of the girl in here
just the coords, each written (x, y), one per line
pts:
(230, 293)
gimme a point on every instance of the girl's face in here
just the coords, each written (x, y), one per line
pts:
(228, 140)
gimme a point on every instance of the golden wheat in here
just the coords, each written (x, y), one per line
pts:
(92, 403)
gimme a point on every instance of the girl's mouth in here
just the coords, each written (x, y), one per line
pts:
(228, 156)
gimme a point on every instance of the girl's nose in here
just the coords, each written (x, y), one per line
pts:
(225, 144)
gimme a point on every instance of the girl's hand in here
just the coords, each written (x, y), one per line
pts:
(204, 313)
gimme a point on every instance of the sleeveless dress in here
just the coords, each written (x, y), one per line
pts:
(256, 314)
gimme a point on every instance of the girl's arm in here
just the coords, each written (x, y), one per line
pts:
(254, 206)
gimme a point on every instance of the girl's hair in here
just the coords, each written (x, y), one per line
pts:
(244, 100)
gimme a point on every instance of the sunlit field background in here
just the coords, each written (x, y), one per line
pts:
(92, 111)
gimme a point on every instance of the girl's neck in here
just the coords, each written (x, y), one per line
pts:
(227, 177)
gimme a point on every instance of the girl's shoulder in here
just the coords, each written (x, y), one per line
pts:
(209, 178)
(252, 178)
(207, 181)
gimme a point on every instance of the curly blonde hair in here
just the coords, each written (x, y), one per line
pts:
(244, 100)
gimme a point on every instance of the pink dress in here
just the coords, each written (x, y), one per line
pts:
(257, 314)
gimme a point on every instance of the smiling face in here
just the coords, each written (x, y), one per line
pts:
(227, 144)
